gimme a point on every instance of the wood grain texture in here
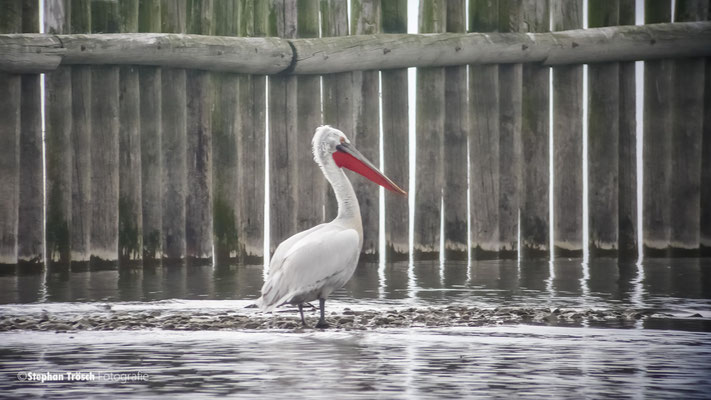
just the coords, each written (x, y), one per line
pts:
(567, 141)
(603, 141)
(535, 140)
(395, 138)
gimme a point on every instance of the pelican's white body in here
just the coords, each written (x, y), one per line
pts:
(313, 263)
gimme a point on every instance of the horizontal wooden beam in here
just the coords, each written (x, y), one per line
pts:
(33, 53)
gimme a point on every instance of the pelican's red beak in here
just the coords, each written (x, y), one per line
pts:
(347, 156)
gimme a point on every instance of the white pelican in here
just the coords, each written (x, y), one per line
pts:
(313, 263)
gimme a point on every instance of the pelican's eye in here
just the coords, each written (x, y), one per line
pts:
(343, 140)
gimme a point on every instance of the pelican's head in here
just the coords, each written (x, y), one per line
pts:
(330, 142)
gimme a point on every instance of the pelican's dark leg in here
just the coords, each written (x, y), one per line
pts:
(322, 322)
(301, 311)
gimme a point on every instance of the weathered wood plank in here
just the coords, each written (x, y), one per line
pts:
(149, 20)
(104, 106)
(484, 140)
(705, 213)
(429, 133)
(567, 141)
(535, 139)
(510, 97)
(130, 240)
(58, 150)
(283, 135)
(365, 19)
(80, 231)
(10, 160)
(456, 132)
(603, 141)
(338, 107)
(312, 185)
(687, 105)
(627, 164)
(251, 158)
(225, 122)
(30, 225)
(395, 138)
(198, 201)
(174, 141)
(657, 143)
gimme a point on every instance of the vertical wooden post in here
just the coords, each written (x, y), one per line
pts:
(10, 22)
(198, 209)
(535, 139)
(627, 163)
(283, 195)
(456, 132)
(151, 142)
(429, 141)
(225, 122)
(395, 137)
(687, 106)
(80, 228)
(104, 145)
(365, 20)
(603, 140)
(251, 158)
(130, 214)
(174, 140)
(510, 96)
(338, 90)
(484, 139)
(308, 110)
(657, 142)
(30, 225)
(705, 213)
(568, 140)
(58, 150)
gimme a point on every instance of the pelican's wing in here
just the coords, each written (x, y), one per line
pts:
(324, 257)
(277, 259)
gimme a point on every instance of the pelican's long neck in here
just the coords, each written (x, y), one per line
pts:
(348, 207)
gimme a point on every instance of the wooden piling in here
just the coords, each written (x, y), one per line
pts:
(198, 201)
(365, 20)
(10, 22)
(705, 213)
(627, 160)
(251, 157)
(58, 150)
(80, 228)
(338, 91)
(225, 122)
(484, 140)
(429, 141)
(567, 141)
(149, 20)
(30, 228)
(395, 138)
(104, 146)
(283, 175)
(174, 130)
(130, 233)
(312, 185)
(535, 140)
(603, 140)
(510, 97)
(687, 104)
(657, 143)
(456, 133)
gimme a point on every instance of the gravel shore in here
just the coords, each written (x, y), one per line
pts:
(345, 319)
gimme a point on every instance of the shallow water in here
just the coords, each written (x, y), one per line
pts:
(665, 355)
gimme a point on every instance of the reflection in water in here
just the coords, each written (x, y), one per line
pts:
(673, 286)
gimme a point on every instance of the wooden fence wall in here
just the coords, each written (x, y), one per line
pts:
(146, 164)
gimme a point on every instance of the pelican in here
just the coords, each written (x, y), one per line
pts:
(313, 263)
